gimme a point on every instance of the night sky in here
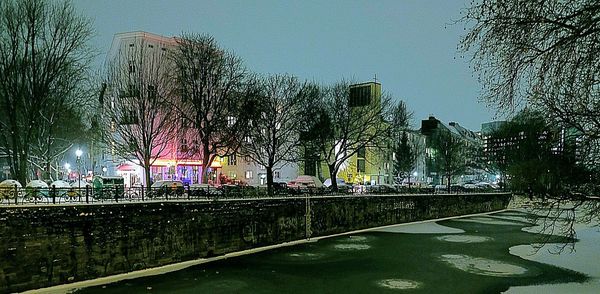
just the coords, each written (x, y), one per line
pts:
(411, 45)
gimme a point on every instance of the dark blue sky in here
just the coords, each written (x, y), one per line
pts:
(409, 44)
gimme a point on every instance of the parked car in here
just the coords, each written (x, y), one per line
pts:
(441, 188)
(36, 189)
(7, 189)
(456, 188)
(79, 188)
(341, 185)
(279, 188)
(166, 188)
(204, 190)
(306, 184)
(381, 189)
(484, 186)
(60, 187)
(108, 187)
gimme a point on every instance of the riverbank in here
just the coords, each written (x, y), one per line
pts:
(46, 246)
(69, 288)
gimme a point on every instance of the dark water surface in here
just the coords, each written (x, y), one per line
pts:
(475, 261)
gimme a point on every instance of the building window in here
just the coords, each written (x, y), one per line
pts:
(360, 166)
(183, 145)
(276, 175)
(362, 153)
(131, 66)
(232, 175)
(231, 121)
(360, 96)
(247, 159)
(248, 174)
(151, 92)
(232, 159)
(150, 46)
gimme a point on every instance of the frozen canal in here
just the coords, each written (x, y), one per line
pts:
(480, 254)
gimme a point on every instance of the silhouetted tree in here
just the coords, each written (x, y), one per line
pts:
(212, 85)
(274, 136)
(139, 105)
(541, 53)
(450, 154)
(44, 58)
(349, 129)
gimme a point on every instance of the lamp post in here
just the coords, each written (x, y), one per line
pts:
(104, 169)
(78, 153)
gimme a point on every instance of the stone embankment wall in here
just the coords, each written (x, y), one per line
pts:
(48, 245)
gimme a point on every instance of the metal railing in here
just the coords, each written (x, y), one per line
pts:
(89, 195)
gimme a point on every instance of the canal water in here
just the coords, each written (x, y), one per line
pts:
(480, 254)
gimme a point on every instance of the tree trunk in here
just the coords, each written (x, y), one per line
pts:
(21, 172)
(449, 176)
(147, 173)
(47, 170)
(205, 164)
(270, 180)
(332, 176)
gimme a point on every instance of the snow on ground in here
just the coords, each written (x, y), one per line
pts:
(584, 260)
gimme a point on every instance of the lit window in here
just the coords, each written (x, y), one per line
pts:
(248, 174)
(232, 159)
(230, 121)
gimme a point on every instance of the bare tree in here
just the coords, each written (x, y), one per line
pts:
(274, 136)
(43, 56)
(139, 106)
(211, 84)
(450, 156)
(544, 54)
(60, 131)
(350, 128)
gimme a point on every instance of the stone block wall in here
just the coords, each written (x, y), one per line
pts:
(47, 245)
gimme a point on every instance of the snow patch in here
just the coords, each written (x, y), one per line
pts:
(464, 238)
(422, 228)
(489, 221)
(351, 247)
(399, 284)
(483, 266)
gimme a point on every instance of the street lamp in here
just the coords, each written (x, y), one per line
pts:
(78, 153)
(104, 169)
